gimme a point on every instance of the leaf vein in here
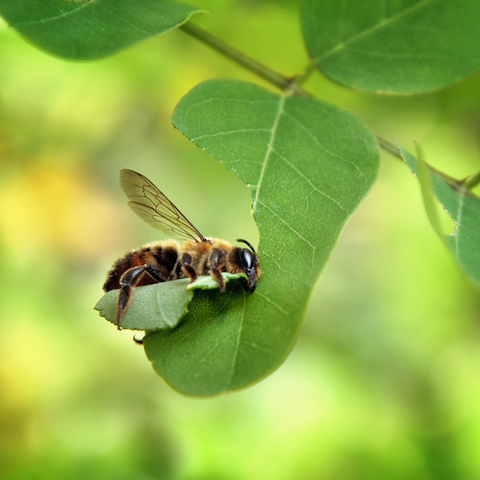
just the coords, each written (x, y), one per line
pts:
(332, 154)
(237, 343)
(402, 56)
(274, 260)
(310, 182)
(52, 19)
(229, 132)
(269, 150)
(113, 14)
(372, 30)
(299, 235)
(215, 100)
(275, 304)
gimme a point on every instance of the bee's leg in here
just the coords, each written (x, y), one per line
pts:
(215, 272)
(187, 267)
(214, 261)
(128, 281)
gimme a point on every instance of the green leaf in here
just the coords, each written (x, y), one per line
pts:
(154, 307)
(84, 30)
(397, 46)
(464, 208)
(207, 282)
(308, 165)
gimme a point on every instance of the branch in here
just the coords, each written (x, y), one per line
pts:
(280, 81)
(285, 83)
(473, 182)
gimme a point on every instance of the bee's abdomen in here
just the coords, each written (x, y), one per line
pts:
(161, 259)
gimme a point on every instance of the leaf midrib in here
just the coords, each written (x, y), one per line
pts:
(237, 344)
(50, 19)
(372, 30)
(281, 105)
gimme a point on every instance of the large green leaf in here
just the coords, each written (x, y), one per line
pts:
(308, 165)
(464, 207)
(402, 46)
(85, 30)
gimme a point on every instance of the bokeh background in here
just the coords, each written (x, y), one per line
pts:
(384, 381)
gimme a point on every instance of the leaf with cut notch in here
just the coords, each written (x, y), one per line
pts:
(154, 307)
(89, 29)
(308, 165)
(401, 46)
(464, 208)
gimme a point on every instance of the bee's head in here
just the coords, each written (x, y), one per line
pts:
(248, 262)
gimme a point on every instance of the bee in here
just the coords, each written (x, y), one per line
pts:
(167, 260)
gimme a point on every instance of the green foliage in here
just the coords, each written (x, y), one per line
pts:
(307, 163)
(403, 46)
(305, 179)
(464, 208)
(85, 30)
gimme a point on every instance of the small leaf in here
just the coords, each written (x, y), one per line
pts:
(308, 165)
(401, 46)
(159, 306)
(153, 307)
(85, 30)
(464, 208)
(207, 282)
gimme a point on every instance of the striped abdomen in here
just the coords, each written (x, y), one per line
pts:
(162, 256)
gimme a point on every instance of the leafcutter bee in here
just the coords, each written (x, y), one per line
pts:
(168, 259)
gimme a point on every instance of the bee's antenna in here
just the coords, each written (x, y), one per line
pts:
(247, 243)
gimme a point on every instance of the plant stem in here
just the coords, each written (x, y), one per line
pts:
(393, 150)
(389, 147)
(275, 78)
(473, 182)
(280, 81)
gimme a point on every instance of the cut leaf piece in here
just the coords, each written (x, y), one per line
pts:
(464, 208)
(401, 46)
(159, 306)
(207, 282)
(153, 307)
(85, 30)
(308, 165)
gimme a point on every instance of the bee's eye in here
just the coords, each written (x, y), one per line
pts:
(247, 259)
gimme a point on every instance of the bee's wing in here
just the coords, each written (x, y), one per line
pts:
(151, 205)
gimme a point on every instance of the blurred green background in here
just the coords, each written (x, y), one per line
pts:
(384, 379)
